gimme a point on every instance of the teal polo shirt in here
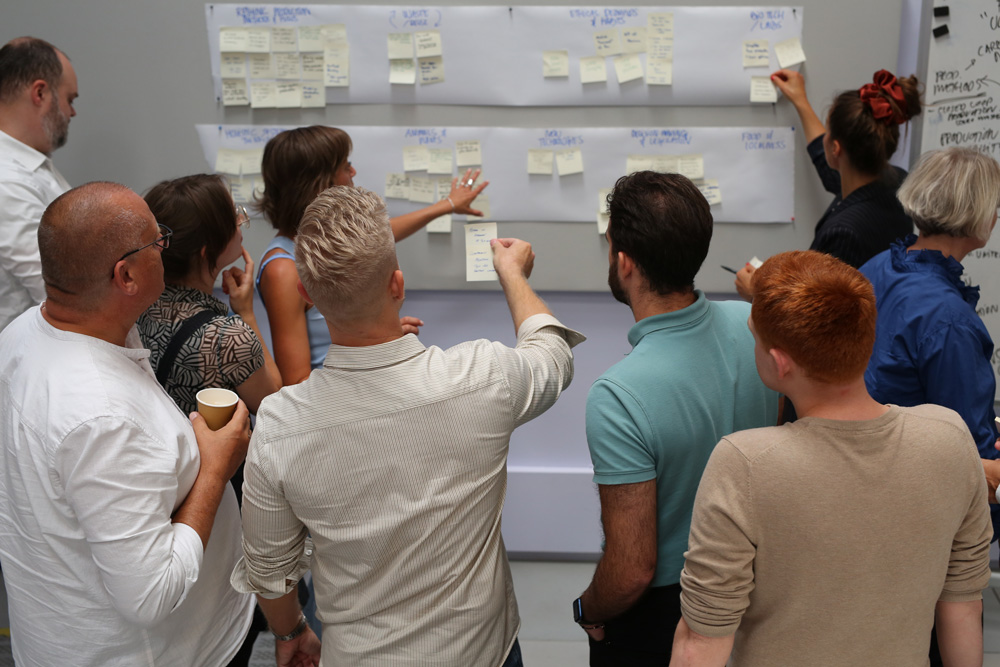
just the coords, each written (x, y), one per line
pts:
(689, 380)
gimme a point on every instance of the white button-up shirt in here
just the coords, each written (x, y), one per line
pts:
(95, 459)
(29, 182)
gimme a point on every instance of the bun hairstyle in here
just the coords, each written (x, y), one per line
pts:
(866, 121)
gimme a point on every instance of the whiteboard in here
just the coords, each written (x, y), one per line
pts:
(746, 162)
(708, 51)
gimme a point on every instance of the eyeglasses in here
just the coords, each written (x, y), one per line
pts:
(242, 217)
(162, 242)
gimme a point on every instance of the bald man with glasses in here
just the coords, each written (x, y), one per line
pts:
(118, 528)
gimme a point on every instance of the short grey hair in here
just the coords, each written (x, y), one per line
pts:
(955, 191)
(345, 252)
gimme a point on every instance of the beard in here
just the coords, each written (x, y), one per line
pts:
(615, 284)
(56, 126)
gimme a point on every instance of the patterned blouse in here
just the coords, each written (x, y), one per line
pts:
(222, 353)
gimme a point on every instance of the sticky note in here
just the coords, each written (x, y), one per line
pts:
(540, 161)
(593, 70)
(628, 68)
(403, 71)
(336, 64)
(251, 161)
(261, 66)
(468, 153)
(482, 204)
(602, 222)
(234, 93)
(416, 158)
(660, 48)
(427, 43)
(634, 163)
(710, 190)
(569, 161)
(333, 32)
(263, 94)
(421, 190)
(400, 45)
(288, 95)
(661, 24)
(440, 225)
(242, 191)
(755, 262)
(789, 52)
(756, 53)
(762, 90)
(310, 38)
(634, 39)
(443, 187)
(602, 200)
(659, 72)
(607, 42)
(397, 186)
(228, 161)
(233, 65)
(313, 96)
(478, 253)
(312, 66)
(233, 40)
(440, 161)
(284, 40)
(555, 64)
(258, 40)
(431, 70)
(692, 166)
(665, 164)
(287, 66)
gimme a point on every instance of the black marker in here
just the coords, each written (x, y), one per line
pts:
(728, 269)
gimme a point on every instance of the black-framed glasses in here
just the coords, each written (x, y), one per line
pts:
(242, 217)
(162, 242)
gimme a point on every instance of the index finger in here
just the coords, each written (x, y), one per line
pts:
(246, 260)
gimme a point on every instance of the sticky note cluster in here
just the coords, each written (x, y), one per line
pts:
(691, 165)
(415, 56)
(427, 176)
(757, 54)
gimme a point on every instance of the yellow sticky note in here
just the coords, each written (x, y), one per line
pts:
(628, 68)
(555, 63)
(242, 191)
(660, 48)
(336, 65)
(431, 70)
(233, 40)
(440, 225)
(659, 72)
(634, 39)
(762, 90)
(789, 52)
(634, 163)
(602, 222)
(258, 40)
(478, 253)
(400, 45)
(284, 40)
(440, 161)
(427, 43)
(263, 94)
(691, 166)
(468, 153)
(234, 93)
(416, 158)
(421, 190)
(602, 200)
(607, 42)
(666, 164)
(312, 66)
(261, 66)
(756, 53)
(540, 161)
(233, 65)
(310, 38)
(711, 192)
(287, 66)
(569, 161)
(288, 95)
(397, 186)
(403, 71)
(333, 32)
(661, 24)
(313, 96)
(251, 161)
(228, 161)
(593, 70)
(482, 204)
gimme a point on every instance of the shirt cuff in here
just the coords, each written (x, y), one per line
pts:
(189, 550)
(541, 320)
(815, 147)
(271, 584)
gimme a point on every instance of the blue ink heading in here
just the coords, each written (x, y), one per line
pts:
(661, 137)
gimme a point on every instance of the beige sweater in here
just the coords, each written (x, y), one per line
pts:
(829, 542)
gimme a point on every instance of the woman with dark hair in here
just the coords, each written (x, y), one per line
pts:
(297, 165)
(193, 341)
(851, 155)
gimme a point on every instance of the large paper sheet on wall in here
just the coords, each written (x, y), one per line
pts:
(495, 55)
(750, 168)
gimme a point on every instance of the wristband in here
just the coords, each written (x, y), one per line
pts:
(300, 627)
(452, 204)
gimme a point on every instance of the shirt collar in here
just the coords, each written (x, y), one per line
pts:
(374, 356)
(676, 319)
(184, 294)
(932, 261)
(22, 152)
(133, 348)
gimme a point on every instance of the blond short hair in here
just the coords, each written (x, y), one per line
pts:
(345, 252)
(955, 191)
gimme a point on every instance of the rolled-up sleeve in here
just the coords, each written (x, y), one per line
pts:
(969, 564)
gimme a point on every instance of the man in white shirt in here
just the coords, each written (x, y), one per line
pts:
(387, 467)
(118, 527)
(37, 90)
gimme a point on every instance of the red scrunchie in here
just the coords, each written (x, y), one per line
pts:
(874, 95)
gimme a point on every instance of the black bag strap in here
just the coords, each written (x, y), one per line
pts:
(190, 325)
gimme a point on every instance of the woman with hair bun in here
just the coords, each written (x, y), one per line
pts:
(851, 155)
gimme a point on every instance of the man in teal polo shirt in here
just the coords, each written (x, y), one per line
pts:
(654, 417)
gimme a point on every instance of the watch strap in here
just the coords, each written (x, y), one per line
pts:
(299, 628)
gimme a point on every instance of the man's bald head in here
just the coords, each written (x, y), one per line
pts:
(82, 235)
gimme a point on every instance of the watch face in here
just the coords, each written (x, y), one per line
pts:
(577, 610)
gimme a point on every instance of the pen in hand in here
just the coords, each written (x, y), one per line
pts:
(728, 269)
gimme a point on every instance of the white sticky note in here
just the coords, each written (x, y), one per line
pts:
(421, 190)
(251, 161)
(233, 65)
(661, 23)
(789, 52)
(416, 158)
(666, 164)
(258, 40)
(478, 253)
(233, 40)
(289, 94)
(234, 93)
(336, 65)
(431, 70)
(659, 72)
(755, 262)
(634, 163)
(660, 48)
(762, 90)
(443, 187)
(228, 161)
(593, 70)
(400, 45)
(440, 161)
(756, 53)
(427, 43)
(287, 66)
(312, 66)
(284, 40)
(540, 161)
(569, 161)
(691, 166)
(261, 66)
(607, 42)
(242, 191)
(397, 186)
(710, 190)
(313, 96)
(555, 64)
(310, 38)
(602, 200)
(333, 32)
(263, 94)
(441, 225)
(628, 68)
(602, 222)
(634, 39)
(468, 153)
(482, 204)
(403, 71)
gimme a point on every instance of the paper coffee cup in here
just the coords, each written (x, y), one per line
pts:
(216, 406)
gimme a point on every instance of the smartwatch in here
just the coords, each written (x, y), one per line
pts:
(579, 619)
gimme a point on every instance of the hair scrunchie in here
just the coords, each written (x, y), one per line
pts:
(884, 85)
